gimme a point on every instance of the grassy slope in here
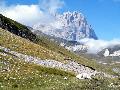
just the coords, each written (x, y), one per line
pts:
(25, 76)
(44, 48)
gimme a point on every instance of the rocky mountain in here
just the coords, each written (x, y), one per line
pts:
(110, 51)
(71, 26)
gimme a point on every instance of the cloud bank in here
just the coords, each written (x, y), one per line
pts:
(94, 46)
(31, 14)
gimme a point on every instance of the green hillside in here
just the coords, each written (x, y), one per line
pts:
(15, 74)
(37, 46)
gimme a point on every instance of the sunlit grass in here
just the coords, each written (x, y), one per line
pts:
(15, 74)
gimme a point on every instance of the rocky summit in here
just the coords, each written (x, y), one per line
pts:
(71, 26)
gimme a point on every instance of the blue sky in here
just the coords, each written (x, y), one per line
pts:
(103, 15)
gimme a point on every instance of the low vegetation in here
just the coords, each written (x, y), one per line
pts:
(18, 75)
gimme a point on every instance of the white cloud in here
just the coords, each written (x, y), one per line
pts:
(26, 14)
(97, 45)
(31, 14)
(51, 5)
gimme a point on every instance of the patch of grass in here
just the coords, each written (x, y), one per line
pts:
(15, 74)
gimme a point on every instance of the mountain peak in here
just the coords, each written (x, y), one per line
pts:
(71, 26)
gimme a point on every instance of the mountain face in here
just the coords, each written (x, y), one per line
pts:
(69, 26)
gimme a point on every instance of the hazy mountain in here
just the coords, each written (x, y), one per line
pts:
(110, 51)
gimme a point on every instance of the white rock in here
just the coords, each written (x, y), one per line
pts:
(106, 53)
(83, 76)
